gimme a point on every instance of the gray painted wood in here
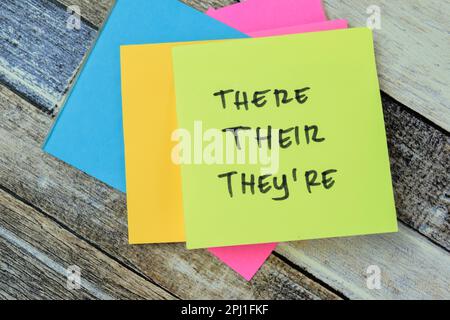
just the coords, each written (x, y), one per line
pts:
(39, 56)
(411, 266)
(35, 255)
(21, 277)
(412, 49)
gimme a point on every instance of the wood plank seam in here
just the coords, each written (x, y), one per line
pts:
(437, 244)
(415, 114)
(63, 226)
(40, 107)
(429, 152)
(295, 266)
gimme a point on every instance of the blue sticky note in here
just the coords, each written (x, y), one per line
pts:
(88, 132)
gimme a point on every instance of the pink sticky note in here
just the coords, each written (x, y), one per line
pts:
(311, 27)
(252, 15)
(246, 260)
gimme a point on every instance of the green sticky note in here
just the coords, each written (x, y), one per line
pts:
(282, 139)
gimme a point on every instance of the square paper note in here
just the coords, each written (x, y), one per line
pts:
(282, 139)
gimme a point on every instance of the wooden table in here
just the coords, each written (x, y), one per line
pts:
(53, 216)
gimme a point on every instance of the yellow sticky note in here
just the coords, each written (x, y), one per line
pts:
(155, 212)
(282, 139)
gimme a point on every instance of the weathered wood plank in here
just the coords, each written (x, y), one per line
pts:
(411, 266)
(39, 55)
(98, 214)
(420, 162)
(36, 253)
(22, 277)
(412, 49)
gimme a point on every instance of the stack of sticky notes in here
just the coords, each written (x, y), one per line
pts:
(249, 125)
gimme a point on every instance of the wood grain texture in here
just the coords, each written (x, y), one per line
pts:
(34, 246)
(97, 213)
(420, 164)
(411, 266)
(412, 50)
(204, 5)
(39, 55)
